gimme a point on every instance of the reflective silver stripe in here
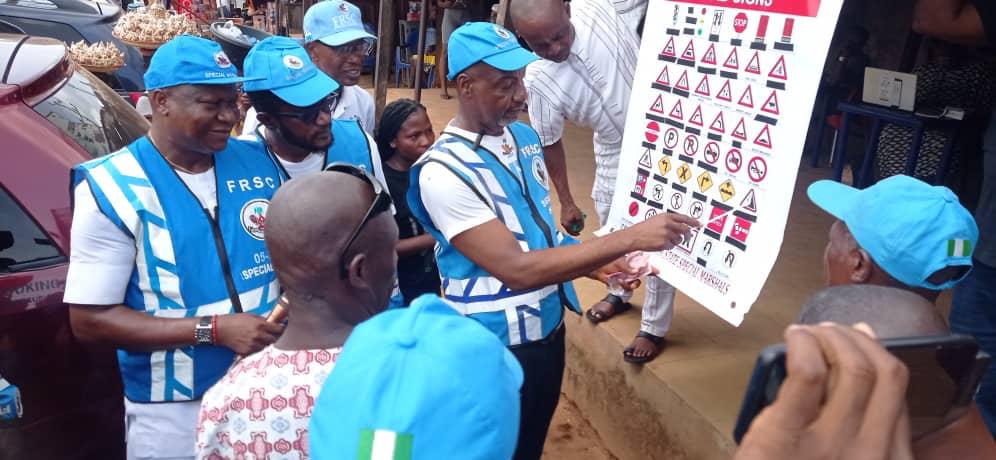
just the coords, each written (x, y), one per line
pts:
(251, 300)
(456, 289)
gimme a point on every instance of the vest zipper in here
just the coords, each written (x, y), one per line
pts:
(226, 268)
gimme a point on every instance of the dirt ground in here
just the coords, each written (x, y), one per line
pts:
(571, 437)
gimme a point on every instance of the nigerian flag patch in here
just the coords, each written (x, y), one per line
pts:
(959, 248)
(384, 445)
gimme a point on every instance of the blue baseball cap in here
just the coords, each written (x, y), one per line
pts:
(190, 60)
(283, 67)
(474, 42)
(421, 382)
(334, 23)
(909, 228)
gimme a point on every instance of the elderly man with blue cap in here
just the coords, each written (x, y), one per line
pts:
(294, 102)
(168, 262)
(482, 190)
(337, 42)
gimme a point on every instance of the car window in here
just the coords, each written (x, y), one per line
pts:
(88, 111)
(41, 28)
(23, 244)
(40, 4)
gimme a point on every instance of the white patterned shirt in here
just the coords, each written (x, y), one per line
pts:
(591, 88)
(262, 406)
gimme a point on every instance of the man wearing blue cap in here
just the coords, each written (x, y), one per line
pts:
(168, 262)
(419, 383)
(338, 43)
(333, 280)
(294, 101)
(900, 232)
(482, 191)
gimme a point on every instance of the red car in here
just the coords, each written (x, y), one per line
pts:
(55, 115)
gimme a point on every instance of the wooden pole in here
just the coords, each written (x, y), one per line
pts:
(502, 17)
(421, 50)
(385, 43)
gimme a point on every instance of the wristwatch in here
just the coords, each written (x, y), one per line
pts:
(204, 331)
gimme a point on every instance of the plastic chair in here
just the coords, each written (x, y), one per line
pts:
(400, 66)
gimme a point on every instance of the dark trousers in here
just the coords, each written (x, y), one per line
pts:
(973, 312)
(543, 370)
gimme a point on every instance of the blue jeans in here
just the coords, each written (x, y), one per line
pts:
(973, 312)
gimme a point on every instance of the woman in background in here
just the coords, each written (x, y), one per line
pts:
(403, 135)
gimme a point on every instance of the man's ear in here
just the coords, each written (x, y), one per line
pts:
(312, 48)
(567, 8)
(860, 265)
(464, 84)
(158, 99)
(267, 120)
(357, 272)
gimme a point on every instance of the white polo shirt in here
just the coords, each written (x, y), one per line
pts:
(591, 88)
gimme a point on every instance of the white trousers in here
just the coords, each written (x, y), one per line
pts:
(161, 431)
(658, 301)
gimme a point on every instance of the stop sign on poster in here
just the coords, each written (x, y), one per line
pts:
(740, 23)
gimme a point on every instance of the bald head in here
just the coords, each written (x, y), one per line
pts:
(308, 223)
(545, 25)
(889, 311)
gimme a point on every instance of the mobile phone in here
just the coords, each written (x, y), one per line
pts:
(944, 374)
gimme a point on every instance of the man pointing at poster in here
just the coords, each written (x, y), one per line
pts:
(586, 76)
(482, 192)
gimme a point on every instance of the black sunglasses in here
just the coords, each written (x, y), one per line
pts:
(381, 203)
(310, 114)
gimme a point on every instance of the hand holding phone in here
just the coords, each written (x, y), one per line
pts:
(843, 397)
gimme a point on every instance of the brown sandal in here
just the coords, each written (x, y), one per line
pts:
(628, 351)
(618, 306)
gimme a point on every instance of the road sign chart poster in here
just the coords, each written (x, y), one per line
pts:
(720, 107)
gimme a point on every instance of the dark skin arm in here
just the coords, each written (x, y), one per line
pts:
(571, 217)
(495, 249)
(129, 329)
(955, 21)
(415, 245)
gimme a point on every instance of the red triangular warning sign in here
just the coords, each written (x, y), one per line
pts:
(747, 98)
(779, 71)
(658, 105)
(682, 82)
(732, 62)
(664, 78)
(676, 112)
(696, 118)
(710, 55)
(771, 105)
(763, 138)
(740, 132)
(703, 88)
(750, 202)
(718, 125)
(725, 93)
(754, 66)
(669, 48)
(689, 52)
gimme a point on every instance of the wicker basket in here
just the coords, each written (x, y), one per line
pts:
(101, 69)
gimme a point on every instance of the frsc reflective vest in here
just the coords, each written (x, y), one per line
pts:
(187, 264)
(516, 317)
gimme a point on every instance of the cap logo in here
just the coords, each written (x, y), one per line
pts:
(343, 8)
(502, 33)
(221, 59)
(254, 217)
(384, 444)
(959, 248)
(293, 62)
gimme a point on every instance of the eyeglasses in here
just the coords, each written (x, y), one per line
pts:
(362, 48)
(310, 114)
(381, 203)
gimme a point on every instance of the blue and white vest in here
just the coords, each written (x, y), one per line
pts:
(516, 317)
(349, 144)
(187, 264)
